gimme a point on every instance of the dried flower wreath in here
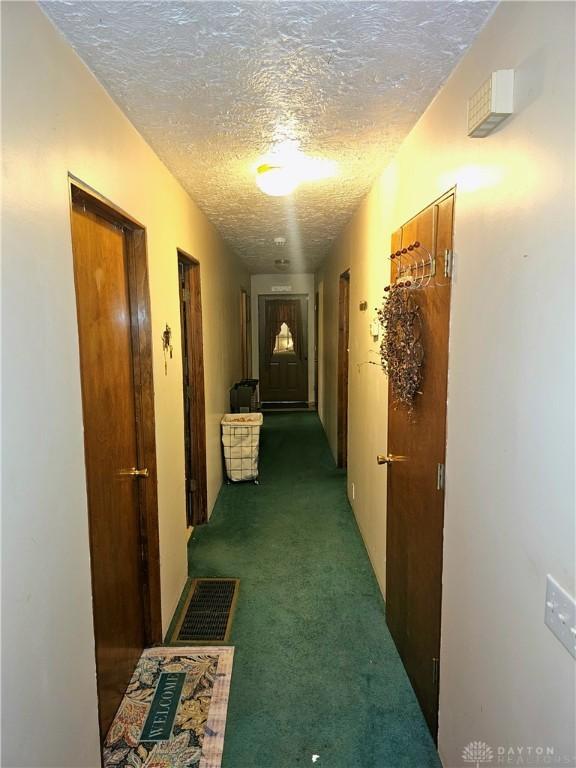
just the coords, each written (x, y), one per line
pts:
(401, 350)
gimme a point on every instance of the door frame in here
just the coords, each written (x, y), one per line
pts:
(195, 354)
(343, 344)
(135, 239)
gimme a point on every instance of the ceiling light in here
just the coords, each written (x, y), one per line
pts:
(275, 180)
(282, 264)
(285, 167)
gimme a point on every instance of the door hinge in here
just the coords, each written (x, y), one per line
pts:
(185, 295)
(440, 477)
(435, 671)
(448, 262)
(193, 485)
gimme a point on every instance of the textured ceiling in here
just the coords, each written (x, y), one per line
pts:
(212, 86)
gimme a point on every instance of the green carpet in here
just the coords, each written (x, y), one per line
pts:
(315, 669)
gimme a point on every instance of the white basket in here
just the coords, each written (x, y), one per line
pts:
(241, 442)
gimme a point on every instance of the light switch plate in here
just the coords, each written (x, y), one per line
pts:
(560, 614)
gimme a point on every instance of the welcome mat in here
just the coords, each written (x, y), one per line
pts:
(173, 714)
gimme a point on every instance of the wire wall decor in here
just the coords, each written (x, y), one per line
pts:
(402, 345)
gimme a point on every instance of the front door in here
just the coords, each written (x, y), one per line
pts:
(120, 486)
(415, 516)
(283, 349)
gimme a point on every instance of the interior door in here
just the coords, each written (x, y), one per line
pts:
(343, 357)
(284, 374)
(245, 334)
(415, 516)
(115, 477)
(193, 390)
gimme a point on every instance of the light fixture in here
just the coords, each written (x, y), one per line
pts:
(282, 264)
(275, 180)
(285, 167)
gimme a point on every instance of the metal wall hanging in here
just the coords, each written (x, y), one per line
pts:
(167, 346)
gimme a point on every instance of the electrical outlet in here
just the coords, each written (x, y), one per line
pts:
(560, 614)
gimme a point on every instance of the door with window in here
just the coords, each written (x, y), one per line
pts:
(283, 342)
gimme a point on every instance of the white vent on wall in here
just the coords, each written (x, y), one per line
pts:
(491, 104)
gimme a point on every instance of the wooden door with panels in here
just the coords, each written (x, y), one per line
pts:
(115, 343)
(245, 334)
(284, 370)
(415, 461)
(343, 358)
(193, 390)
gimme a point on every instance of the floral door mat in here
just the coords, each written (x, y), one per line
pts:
(173, 714)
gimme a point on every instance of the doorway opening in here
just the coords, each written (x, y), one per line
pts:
(115, 343)
(415, 466)
(193, 390)
(343, 344)
(283, 350)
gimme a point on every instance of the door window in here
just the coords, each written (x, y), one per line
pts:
(284, 341)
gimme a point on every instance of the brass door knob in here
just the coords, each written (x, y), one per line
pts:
(133, 472)
(390, 458)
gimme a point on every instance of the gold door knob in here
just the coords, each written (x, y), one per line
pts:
(389, 458)
(133, 472)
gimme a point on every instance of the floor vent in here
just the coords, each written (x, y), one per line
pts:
(206, 616)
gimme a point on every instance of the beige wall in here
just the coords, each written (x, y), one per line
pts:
(57, 119)
(509, 516)
(302, 284)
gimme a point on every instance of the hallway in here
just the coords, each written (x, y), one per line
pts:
(321, 675)
(363, 209)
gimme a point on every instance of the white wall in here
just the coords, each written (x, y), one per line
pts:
(509, 516)
(57, 119)
(302, 284)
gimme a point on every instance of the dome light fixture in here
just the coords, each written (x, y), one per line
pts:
(285, 167)
(275, 180)
(282, 264)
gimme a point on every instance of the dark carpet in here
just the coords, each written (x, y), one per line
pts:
(315, 669)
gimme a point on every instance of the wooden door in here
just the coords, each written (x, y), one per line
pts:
(245, 334)
(113, 318)
(415, 516)
(284, 375)
(193, 390)
(316, 336)
(343, 355)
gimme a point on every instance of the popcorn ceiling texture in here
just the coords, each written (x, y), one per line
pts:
(212, 85)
